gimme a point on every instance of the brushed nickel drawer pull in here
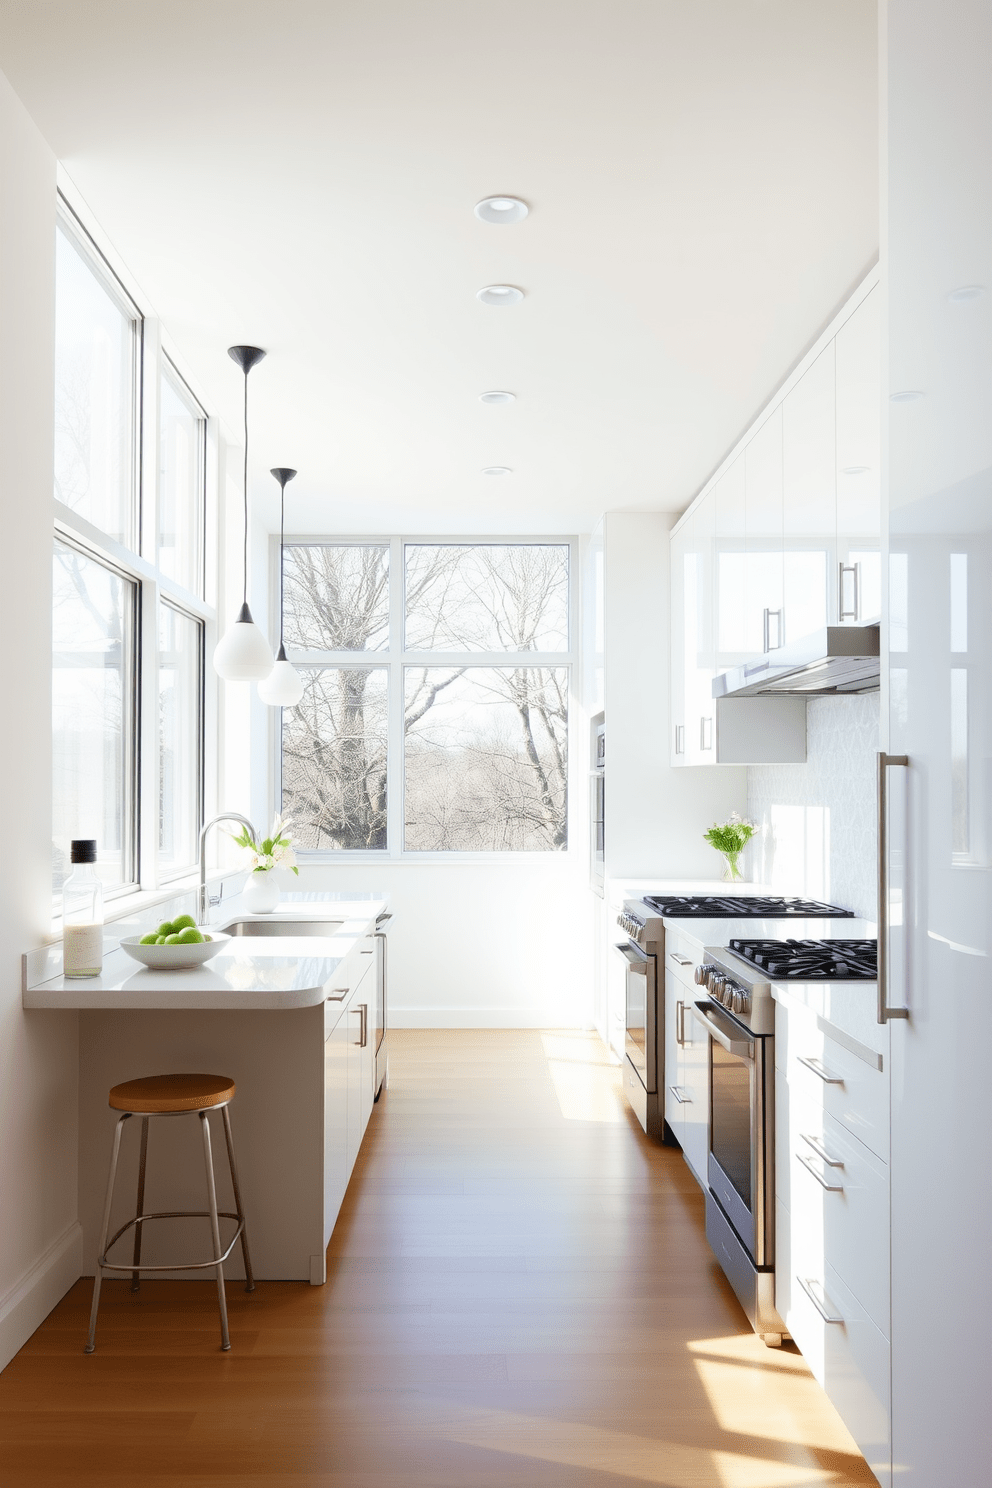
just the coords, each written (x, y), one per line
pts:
(807, 1163)
(821, 1307)
(682, 960)
(821, 1151)
(683, 1100)
(820, 1070)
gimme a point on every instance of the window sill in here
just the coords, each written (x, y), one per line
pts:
(124, 906)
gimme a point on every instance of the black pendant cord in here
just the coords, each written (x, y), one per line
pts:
(245, 482)
(282, 574)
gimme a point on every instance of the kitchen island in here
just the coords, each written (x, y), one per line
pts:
(291, 1018)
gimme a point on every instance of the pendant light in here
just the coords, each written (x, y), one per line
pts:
(283, 686)
(243, 654)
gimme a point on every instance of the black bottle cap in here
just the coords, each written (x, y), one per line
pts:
(83, 850)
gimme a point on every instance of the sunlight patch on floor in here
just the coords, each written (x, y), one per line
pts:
(623, 1454)
(586, 1082)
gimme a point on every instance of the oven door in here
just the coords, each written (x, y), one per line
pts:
(640, 1036)
(741, 1164)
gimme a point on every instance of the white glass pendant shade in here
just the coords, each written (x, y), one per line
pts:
(242, 653)
(283, 687)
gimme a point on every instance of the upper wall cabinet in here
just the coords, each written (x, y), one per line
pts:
(784, 540)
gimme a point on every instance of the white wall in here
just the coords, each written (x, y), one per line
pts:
(655, 815)
(817, 821)
(481, 944)
(39, 1236)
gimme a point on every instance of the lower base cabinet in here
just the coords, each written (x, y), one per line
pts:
(686, 1076)
(349, 1079)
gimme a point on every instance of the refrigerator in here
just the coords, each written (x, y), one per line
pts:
(936, 252)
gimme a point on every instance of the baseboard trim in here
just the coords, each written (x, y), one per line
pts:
(30, 1300)
(484, 1017)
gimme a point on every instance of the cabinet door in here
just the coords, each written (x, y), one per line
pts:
(336, 1137)
(675, 997)
(763, 536)
(809, 501)
(700, 642)
(356, 1123)
(696, 1091)
(858, 350)
(681, 544)
(729, 569)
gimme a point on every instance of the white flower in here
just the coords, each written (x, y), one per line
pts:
(284, 855)
(264, 861)
(248, 858)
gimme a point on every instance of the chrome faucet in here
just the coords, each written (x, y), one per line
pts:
(203, 901)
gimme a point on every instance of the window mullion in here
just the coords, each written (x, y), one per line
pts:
(148, 739)
(394, 758)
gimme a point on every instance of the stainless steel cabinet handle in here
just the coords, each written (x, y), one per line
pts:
(821, 1151)
(820, 1071)
(884, 1011)
(680, 1024)
(680, 738)
(363, 1009)
(683, 1100)
(767, 629)
(807, 1163)
(854, 613)
(682, 960)
(706, 733)
(822, 1307)
(338, 995)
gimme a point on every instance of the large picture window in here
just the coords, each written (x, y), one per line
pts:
(456, 739)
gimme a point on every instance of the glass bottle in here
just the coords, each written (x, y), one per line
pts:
(82, 913)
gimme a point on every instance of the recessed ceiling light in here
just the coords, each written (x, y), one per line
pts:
(497, 470)
(855, 469)
(500, 294)
(501, 209)
(906, 395)
(966, 292)
(495, 396)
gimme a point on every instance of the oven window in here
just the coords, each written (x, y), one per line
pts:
(731, 1118)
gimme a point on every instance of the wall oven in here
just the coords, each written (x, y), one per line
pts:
(738, 1014)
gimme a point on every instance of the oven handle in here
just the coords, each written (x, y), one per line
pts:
(740, 1048)
(634, 955)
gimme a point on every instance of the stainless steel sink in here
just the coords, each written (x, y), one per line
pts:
(284, 927)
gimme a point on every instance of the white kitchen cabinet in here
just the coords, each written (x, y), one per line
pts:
(859, 478)
(686, 1068)
(693, 656)
(349, 1074)
(681, 550)
(809, 500)
(730, 559)
(763, 539)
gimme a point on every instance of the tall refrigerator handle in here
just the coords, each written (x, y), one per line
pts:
(884, 1011)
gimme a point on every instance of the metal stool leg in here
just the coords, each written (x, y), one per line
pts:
(135, 1274)
(225, 1339)
(249, 1278)
(91, 1336)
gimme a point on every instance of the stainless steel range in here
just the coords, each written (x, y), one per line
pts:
(642, 922)
(738, 1013)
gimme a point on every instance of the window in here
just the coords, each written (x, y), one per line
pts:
(181, 478)
(93, 714)
(456, 738)
(128, 625)
(180, 690)
(97, 341)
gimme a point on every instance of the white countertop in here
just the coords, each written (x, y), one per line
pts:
(253, 973)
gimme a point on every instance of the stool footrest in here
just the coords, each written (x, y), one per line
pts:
(171, 1214)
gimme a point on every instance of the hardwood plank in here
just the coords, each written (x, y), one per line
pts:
(519, 1295)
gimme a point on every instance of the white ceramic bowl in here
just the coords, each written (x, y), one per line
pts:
(174, 957)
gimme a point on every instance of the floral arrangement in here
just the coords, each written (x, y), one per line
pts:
(275, 851)
(731, 838)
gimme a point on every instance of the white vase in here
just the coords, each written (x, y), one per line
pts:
(261, 892)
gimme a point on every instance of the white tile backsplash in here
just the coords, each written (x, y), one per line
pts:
(816, 822)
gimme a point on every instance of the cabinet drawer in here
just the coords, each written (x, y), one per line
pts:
(682, 957)
(824, 1073)
(838, 1195)
(848, 1356)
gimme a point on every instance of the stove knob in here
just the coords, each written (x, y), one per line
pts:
(714, 980)
(745, 1002)
(702, 973)
(738, 1000)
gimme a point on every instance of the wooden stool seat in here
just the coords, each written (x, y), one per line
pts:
(159, 1095)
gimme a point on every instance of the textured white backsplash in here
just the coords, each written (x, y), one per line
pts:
(816, 822)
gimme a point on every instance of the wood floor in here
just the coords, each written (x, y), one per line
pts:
(520, 1295)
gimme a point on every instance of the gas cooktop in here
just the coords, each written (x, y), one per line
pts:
(812, 960)
(731, 906)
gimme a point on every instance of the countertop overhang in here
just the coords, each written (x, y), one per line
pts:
(252, 974)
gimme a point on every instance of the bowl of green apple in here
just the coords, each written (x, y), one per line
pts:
(176, 945)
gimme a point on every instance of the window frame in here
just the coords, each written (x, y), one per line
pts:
(169, 601)
(395, 660)
(169, 372)
(136, 563)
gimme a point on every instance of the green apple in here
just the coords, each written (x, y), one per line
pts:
(148, 939)
(184, 922)
(190, 936)
(160, 940)
(172, 939)
(166, 927)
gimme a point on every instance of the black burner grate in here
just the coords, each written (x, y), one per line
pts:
(729, 906)
(812, 960)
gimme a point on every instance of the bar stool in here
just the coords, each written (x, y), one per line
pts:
(173, 1095)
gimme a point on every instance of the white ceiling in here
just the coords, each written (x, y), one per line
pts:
(702, 180)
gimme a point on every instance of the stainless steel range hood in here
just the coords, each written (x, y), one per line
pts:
(840, 659)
